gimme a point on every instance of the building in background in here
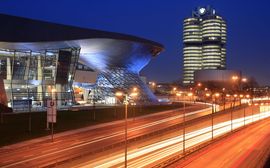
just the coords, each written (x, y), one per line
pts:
(204, 39)
(218, 79)
(39, 61)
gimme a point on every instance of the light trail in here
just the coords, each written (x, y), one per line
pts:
(108, 136)
(147, 155)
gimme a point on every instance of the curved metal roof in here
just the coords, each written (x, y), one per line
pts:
(17, 31)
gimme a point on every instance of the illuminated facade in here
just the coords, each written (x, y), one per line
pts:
(204, 38)
(39, 60)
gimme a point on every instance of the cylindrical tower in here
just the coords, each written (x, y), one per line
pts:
(192, 48)
(204, 38)
(214, 39)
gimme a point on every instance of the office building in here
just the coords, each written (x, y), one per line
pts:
(204, 40)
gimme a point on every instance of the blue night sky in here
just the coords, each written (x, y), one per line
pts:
(248, 45)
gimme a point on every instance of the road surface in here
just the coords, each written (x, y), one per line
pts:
(148, 154)
(42, 151)
(248, 148)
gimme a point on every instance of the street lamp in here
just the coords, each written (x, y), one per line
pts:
(234, 77)
(184, 128)
(224, 98)
(235, 96)
(234, 99)
(228, 96)
(190, 95)
(120, 94)
(235, 80)
(212, 113)
(172, 93)
(247, 96)
(244, 79)
(240, 97)
(216, 96)
(134, 94)
(178, 95)
(52, 115)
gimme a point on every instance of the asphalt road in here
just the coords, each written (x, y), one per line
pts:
(248, 148)
(74, 145)
(148, 153)
(41, 152)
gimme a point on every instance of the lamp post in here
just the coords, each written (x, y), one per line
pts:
(235, 78)
(184, 129)
(52, 115)
(235, 96)
(247, 96)
(184, 126)
(251, 104)
(152, 86)
(212, 113)
(121, 94)
(243, 80)
(198, 93)
(240, 97)
(224, 99)
(134, 94)
(190, 95)
(240, 100)
(178, 95)
(212, 118)
(126, 104)
(173, 93)
(216, 96)
(228, 96)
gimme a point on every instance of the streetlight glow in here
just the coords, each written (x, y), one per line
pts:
(244, 79)
(178, 94)
(134, 94)
(234, 78)
(119, 94)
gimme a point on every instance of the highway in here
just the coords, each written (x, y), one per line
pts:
(157, 150)
(41, 152)
(247, 148)
(102, 145)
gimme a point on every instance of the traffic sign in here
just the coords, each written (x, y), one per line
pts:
(51, 111)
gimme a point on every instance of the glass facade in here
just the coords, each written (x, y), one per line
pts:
(32, 77)
(204, 38)
(120, 79)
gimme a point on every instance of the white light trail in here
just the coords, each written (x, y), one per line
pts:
(147, 155)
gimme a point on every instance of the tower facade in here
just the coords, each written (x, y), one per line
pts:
(204, 39)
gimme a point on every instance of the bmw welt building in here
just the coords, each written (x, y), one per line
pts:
(38, 61)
